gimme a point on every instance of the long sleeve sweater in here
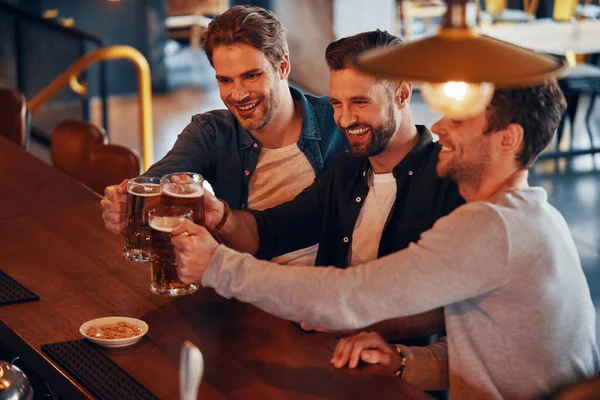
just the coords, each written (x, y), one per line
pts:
(519, 316)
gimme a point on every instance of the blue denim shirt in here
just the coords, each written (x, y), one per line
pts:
(216, 146)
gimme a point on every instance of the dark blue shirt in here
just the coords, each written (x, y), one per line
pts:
(326, 212)
(216, 146)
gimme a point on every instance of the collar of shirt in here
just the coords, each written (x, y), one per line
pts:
(414, 161)
(310, 128)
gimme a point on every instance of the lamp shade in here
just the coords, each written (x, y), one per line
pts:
(460, 55)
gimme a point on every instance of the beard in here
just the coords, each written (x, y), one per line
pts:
(467, 171)
(380, 136)
(263, 114)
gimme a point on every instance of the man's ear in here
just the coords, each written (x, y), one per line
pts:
(403, 94)
(511, 139)
(284, 67)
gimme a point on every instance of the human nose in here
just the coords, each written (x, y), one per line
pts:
(440, 128)
(347, 117)
(239, 93)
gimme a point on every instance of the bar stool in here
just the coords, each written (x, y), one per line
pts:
(72, 144)
(80, 150)
(109, 165)
(14, 118)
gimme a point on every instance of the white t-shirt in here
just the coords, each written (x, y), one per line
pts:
(371, 220)
(280, 175)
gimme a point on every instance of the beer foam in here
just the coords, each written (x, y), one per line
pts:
(183, 191)
(165, 224)
(145, 190)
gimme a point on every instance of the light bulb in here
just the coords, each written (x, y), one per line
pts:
(458, 100)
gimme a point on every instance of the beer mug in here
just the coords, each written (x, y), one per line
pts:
(162, 221)
(143, 195)
(184, 189)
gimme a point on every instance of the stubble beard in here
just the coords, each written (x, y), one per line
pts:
(469, 172)
(269, 105)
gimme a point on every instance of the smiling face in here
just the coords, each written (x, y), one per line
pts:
(363, 110)
(466, 153)
(249, 84)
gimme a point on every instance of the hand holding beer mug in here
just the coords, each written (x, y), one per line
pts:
(114, 207)
(185, 189)
(143, 195)
(194, 248)
(163, 221)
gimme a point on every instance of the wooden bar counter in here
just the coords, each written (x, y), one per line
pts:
(53, 241)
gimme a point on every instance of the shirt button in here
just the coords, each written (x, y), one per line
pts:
(255, 145)
(358, 199)
(246, 172)
(346, 240)
(410, 173)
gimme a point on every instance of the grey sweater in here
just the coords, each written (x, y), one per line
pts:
(519, 316)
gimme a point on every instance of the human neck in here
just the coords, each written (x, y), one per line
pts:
(285, 126)
(403, 141)
(489, 186)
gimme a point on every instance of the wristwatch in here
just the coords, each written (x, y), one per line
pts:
(400, 369)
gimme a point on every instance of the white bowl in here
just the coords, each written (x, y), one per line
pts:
(114, 320)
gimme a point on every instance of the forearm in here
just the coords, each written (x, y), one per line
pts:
(413, 326)
(294, 224)
(432, 273)
(240, 232)
(353, 296)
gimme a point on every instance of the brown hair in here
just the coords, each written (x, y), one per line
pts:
(538, 109)
(338, 52)
(250, 25)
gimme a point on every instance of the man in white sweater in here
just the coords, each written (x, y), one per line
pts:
(519, 317)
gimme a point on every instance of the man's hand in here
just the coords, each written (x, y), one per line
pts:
(114, 207)
(368, 347)
(213, 210)
(194, 247)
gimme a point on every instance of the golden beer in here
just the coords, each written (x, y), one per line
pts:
(143, 195)
(164, 279)
(184, 189)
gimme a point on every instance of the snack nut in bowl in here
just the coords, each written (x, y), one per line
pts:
(114, 331)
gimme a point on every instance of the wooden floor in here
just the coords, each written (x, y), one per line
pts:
(574, 188)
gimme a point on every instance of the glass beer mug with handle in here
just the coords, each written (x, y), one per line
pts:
(162, 221)
(143, 195)
(184, 189)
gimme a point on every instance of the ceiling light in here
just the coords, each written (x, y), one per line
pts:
(459, 67)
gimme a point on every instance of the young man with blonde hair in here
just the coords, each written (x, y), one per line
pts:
(271, 142)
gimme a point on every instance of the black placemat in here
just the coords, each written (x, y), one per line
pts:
(95, 371)
(12, 291)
